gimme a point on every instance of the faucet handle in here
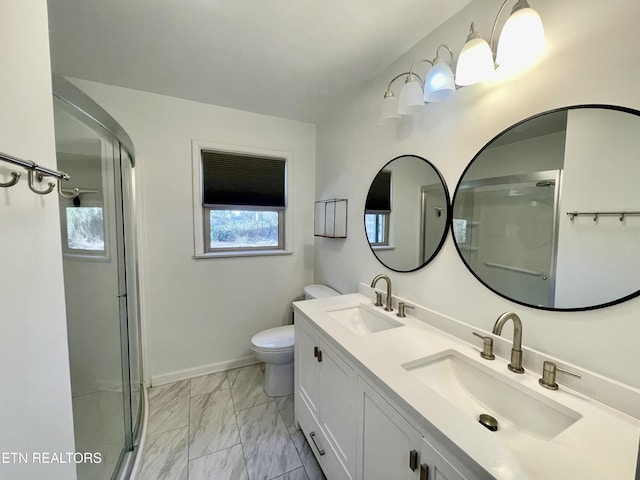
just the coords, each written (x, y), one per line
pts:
(487, 347)
(549, 370)
(379, 299)
(401, 309)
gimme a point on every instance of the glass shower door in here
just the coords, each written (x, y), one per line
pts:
(96, 290)
(506, 229)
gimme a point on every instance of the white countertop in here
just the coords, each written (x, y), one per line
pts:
(602, 443)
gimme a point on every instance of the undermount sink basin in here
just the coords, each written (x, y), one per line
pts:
(475, 390)
(362, 320)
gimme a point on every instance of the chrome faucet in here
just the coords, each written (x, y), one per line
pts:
(388, 308)
(516, 350)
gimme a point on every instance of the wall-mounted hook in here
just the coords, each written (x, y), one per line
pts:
(572, 216)
(595, 217)
(621, 217)
(73, 194)
(15, 176)
(31, 182)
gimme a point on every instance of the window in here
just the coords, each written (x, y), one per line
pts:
(83, 230)
(243, 202)
(378, 210)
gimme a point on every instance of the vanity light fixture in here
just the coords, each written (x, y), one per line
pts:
(389, 108)
(521, 43)
(439, 82)
(411, 98)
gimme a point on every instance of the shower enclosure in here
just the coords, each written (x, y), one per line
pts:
(100, 277)
(506, 230)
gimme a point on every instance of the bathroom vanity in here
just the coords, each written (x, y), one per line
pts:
(380, 397)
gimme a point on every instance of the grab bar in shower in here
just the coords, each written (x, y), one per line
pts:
(36, 173)
(511, 268)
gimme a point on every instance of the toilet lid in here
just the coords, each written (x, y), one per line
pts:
(274, 338)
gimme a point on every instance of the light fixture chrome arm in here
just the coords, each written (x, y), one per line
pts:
(443, 45)
(396, 78)
(417, 62)
(519, 5)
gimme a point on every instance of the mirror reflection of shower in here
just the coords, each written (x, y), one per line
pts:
(506, 229)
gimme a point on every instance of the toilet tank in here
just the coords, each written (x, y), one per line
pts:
(319, 291)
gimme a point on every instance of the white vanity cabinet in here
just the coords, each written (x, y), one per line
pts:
(389, 447)
(325, 389)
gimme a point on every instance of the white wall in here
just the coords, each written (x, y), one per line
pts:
(35, 393)
(585, 40)
(590, 184)
(199, 315)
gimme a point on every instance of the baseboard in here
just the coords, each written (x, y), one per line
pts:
(202, 370)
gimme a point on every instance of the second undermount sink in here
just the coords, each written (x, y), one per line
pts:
(362, 319)
(475, 389)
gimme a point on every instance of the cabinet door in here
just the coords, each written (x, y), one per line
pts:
(337, 418)
(389, 444)
(434, 466)
(307, 366)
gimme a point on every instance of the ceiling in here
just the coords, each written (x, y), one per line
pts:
(287, 58)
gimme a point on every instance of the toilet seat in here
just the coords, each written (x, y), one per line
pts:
(278, 339)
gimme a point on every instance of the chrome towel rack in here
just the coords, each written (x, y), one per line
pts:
(35, 174)
(595, 215)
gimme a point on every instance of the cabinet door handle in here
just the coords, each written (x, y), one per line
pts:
(316, 350)
(413, 460)
(319, 355)
(424, 472)
(313, 438)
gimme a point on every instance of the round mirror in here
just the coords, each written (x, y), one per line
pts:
(406, 213)
(547, 214)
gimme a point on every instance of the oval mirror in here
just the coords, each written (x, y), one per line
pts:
(547, 214)
(407, 213)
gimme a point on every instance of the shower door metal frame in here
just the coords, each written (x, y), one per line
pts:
(73, 97)
(545, 175)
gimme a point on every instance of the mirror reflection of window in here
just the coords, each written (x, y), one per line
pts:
(376, 226)
(407, 213)
(85, 229)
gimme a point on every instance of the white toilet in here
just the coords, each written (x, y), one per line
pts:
(274, 347)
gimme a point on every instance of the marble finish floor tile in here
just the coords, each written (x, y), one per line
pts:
(212, 423)
(209, 383)
(166, 456)
(286, 407)
(223, 426)
(268, 449)
(169, 407)
(314, 472)
(247, 387)
(222, 465)
(297, 474)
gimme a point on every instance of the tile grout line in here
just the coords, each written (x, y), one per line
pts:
(235, 414)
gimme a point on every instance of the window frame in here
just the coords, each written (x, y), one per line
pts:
(201, 237)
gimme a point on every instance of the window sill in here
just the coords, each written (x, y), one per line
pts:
(383, 247)
(252, 253)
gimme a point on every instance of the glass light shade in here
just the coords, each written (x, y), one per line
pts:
(439, 83)
(410, 100)
(389, 110)
(475, 62)
(521, 40)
